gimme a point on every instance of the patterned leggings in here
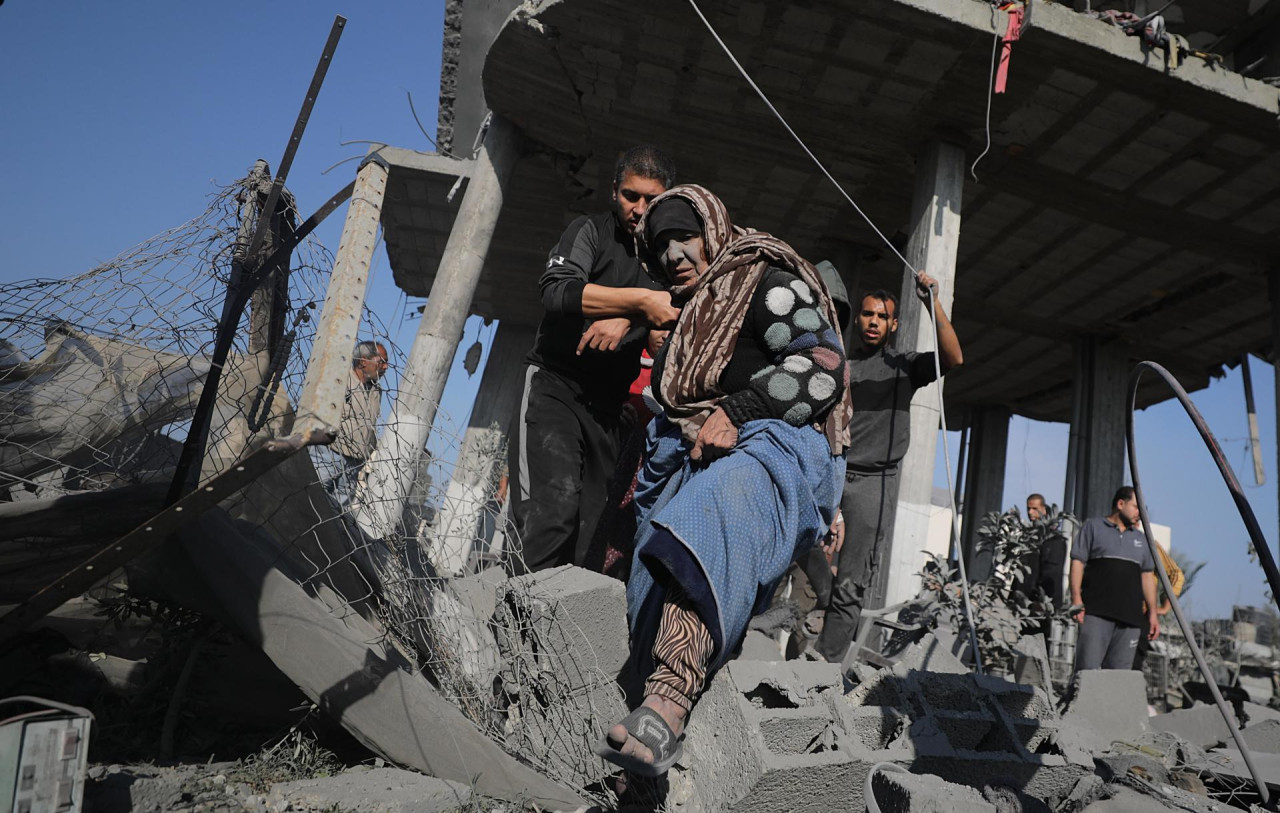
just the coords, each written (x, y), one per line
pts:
(681, 651)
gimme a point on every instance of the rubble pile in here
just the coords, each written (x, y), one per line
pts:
(799, 735)
(547, 654)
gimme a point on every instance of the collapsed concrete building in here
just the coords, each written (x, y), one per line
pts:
(1115, 174)
(1122, 186)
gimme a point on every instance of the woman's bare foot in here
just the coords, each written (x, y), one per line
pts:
(671, 713)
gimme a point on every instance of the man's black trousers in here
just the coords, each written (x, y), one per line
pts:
(562, 450)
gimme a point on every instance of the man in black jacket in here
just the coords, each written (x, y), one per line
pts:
(599, 305)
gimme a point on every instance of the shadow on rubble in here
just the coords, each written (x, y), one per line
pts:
(309, 605)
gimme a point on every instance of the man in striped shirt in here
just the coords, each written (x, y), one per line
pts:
(882, 381)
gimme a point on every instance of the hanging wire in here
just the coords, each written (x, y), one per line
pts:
(968, 605)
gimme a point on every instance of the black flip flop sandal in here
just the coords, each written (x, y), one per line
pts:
(647, 726)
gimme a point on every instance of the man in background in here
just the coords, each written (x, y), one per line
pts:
(1112, 574)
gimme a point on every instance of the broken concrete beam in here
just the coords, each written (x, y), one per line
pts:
(912, 793)
(1201, 724)
(563, 639)
(1111, 702)
(1263, 737)
(336, 659)
(376, 790)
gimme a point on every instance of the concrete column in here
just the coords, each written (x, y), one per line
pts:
(1274, 290)
(985, 487)
(1100, 450)
(483, 449)
(388, 476)
(932, 248)
(329, 369)
(1078, 398)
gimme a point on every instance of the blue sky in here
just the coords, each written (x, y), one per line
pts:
(119, 118)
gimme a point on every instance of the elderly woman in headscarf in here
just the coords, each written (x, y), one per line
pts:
(742, 471)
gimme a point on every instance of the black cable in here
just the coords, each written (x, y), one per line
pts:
(1250, 522)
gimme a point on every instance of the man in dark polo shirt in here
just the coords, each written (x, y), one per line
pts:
(882, 382)
(599, 305)
(1111, 574)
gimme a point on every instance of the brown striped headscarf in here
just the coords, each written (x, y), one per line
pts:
(714, 308)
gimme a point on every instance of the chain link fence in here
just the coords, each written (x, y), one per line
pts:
(100, 375)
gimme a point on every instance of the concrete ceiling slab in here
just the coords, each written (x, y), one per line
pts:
(1120, 196)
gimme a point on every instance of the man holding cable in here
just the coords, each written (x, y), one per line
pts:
(882, 381)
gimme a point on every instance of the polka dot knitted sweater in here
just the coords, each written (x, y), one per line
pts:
(788, 362)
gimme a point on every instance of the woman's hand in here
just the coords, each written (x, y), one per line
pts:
(716, 438)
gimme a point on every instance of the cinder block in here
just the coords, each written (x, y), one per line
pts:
(796, 731)
(873, 727)
(562, 636)
(1113, 702)
(1263, 736)
(974, 731)
(912, 793)
(947, 692)
(767, 736)
(882, 688)
(567, 621)
(1018, 699)
(1202, 725)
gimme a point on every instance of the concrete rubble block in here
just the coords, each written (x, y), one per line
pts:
(1263, 737)
(1127, 801)
(1112, 702)
(1201, 724)
(479, 593)
(340, 663)
(930, 655)
(1019, 700)
(562, 636)
(558, 734)
(879, 688)
(1257, 713)
(875, 728)
(757, 646)
(380, 790)
(1115, 767)
(768, 736)
(567, 621)
(1088, 790)
(1046, 777)
(913, 793)
(1031, 663)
